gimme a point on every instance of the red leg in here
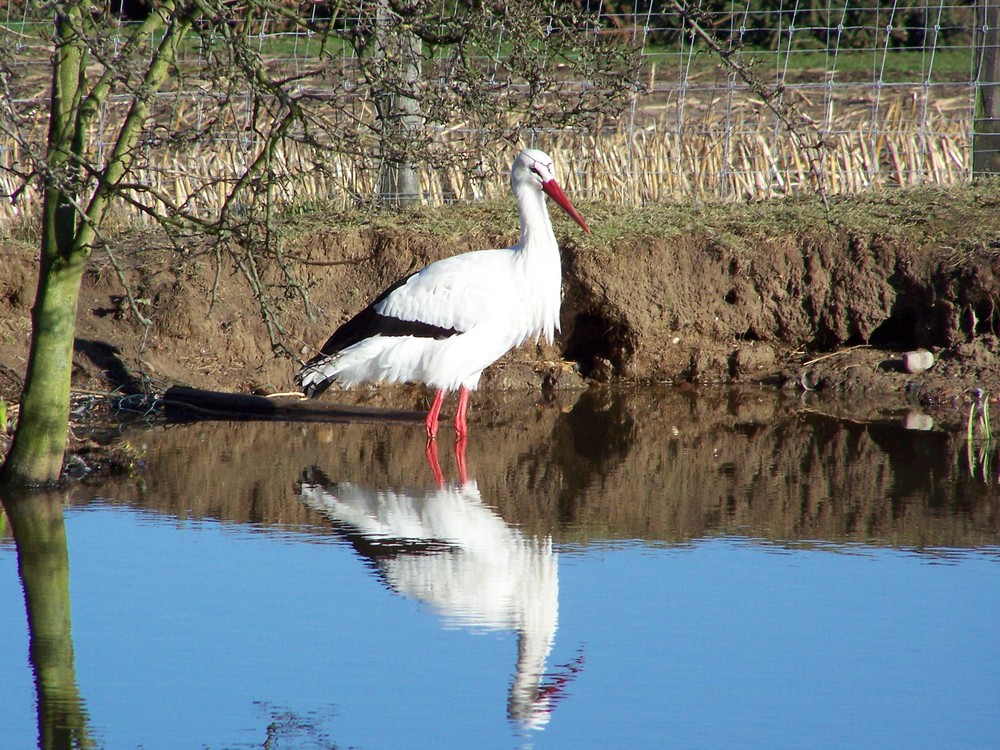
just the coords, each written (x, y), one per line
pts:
(431, 423)
(461, 427)
(431, 452)
(463, 472)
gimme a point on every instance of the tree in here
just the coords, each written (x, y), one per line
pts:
(77, 195)
(120, 120)
(498, 67)
(396, 59)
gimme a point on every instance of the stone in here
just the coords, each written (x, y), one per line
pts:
(918, 361)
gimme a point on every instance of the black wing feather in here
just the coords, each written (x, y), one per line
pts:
(368, 323)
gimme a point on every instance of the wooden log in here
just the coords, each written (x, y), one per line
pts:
(183, 404)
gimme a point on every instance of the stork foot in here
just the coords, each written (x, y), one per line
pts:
(431, 423)
(461, 428)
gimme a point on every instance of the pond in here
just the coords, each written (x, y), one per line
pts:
(647, 568)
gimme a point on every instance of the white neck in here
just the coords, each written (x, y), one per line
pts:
(536, 227)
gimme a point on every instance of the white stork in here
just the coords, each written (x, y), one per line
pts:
(443, 325)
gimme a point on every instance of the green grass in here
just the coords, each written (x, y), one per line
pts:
(979, 439)
(952, 64)
(980, 408)
(969, 214)
(948, 63)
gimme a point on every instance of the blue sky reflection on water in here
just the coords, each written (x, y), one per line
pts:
(200, 634)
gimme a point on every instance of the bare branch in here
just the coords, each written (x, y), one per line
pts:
(772, 96)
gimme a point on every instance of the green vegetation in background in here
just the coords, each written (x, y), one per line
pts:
(954, 65)
(764, 24)
(852, 29)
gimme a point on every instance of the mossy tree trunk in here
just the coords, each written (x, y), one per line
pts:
(36, 454)
(76, 201)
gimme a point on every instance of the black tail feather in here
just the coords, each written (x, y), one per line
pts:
(316, 388)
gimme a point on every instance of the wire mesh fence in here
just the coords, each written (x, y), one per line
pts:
(733, 101)
(887, 96)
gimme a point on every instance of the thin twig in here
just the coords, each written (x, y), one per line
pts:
(835, 354)
(133, 305)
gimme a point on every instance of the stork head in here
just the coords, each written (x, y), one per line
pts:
(534, 168)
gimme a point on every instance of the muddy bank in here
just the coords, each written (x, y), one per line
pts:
(760, 293)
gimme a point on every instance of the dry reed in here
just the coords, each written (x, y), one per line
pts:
(741, 155)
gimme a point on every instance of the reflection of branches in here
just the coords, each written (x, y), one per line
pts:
(291, 728)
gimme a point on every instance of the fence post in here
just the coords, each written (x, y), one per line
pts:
(986, 121)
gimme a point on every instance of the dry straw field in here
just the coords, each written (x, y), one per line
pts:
(649, 158)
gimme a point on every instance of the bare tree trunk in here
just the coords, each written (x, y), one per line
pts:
(986, 124)
(398, 109)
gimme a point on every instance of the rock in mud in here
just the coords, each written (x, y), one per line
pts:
(918, 361)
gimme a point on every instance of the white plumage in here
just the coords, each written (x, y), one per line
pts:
(443, 325)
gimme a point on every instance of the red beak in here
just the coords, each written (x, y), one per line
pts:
(556, 193)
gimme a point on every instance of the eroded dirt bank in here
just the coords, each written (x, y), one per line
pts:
(778, 293)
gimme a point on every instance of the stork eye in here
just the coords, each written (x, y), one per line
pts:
(541, 171)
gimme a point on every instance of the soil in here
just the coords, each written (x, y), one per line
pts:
(688, 295)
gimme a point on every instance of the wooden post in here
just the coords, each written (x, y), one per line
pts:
(986, 123)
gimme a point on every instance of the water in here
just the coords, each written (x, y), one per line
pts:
(650, 569)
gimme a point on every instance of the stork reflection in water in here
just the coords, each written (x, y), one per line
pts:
(445, 547)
